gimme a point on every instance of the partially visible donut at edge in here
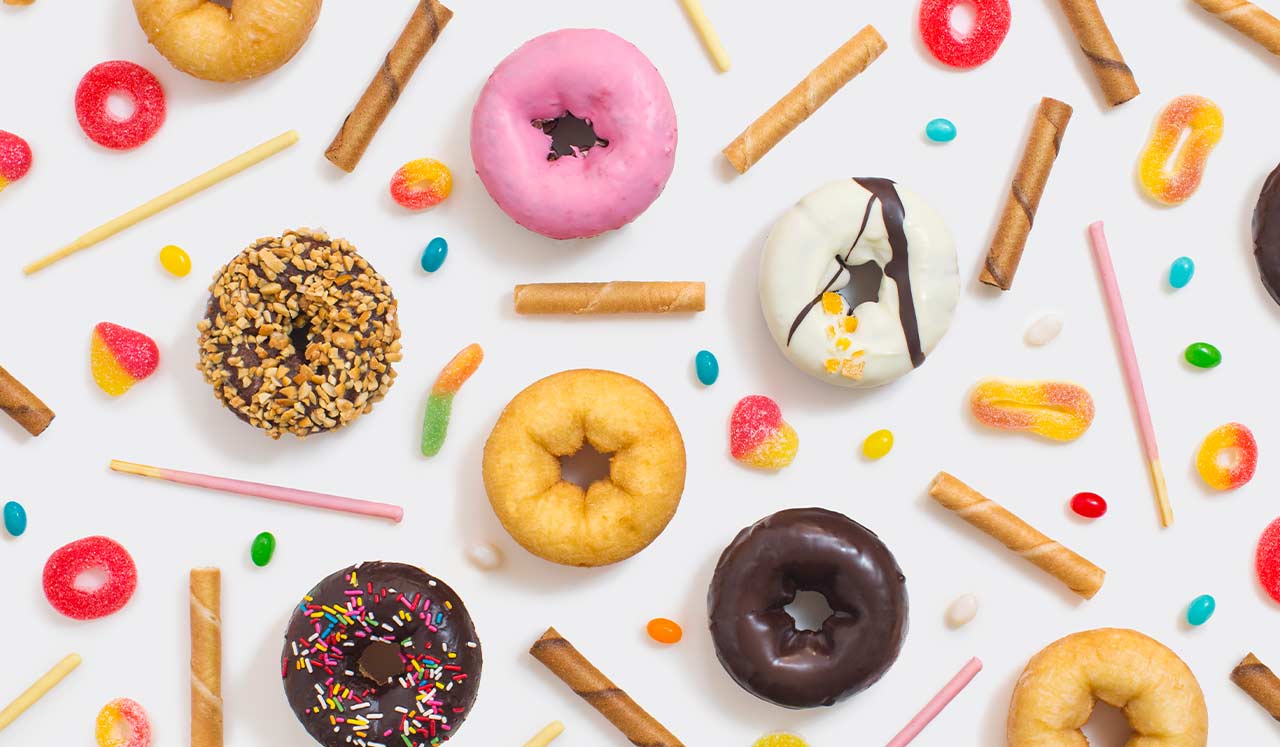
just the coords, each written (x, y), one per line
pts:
(584, 191)
(208, 41)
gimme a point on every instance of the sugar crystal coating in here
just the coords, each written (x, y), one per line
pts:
(759, 437)
(1228, 457)
(123, 78)
(123, 723)
(121, 357)
(421, 184)
(1173, 183)
(101, 554)
(1056, 410)
(990, 25)
(15, 158)
(1267, 560)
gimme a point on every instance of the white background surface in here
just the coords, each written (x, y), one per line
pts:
(706, 226)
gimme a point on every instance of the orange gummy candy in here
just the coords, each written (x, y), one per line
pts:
(1171, 185)
(1056, 410)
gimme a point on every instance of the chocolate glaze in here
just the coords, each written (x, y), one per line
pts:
(406, 641)
(759, 574)
(898, 268)
(1266, 234)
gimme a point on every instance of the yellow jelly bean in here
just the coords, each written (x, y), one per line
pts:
(832, 303)
(175, 260)
(780, 739)
(877, 444)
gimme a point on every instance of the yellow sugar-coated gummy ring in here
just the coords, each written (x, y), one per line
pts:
(205, 39)
(615, 517)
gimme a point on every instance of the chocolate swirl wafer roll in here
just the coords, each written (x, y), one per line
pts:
(1100, 48)
(206, 657)
(1038, 156)
(1259, 683)
(591, 685)
(348, 146)
(1248, 19)
(1081, 576)
(19, 403)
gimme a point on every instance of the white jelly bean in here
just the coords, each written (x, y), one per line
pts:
(485, 556)
(962, 610)
(1043, 330)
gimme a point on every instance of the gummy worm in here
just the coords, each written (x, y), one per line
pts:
(435, 426)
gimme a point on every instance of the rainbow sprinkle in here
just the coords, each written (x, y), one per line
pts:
(435, 426)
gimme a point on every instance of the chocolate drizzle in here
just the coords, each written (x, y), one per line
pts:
(898, 268)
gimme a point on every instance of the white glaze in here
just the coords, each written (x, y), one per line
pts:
(799, 260)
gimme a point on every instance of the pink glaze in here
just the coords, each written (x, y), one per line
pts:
(599, 77)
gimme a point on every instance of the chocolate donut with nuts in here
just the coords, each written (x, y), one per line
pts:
(299, 334)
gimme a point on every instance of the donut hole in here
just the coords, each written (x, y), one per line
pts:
(224, 3)
(569, 136)
(121, 106)
(1107, 726)
(1229, 458)
(586, 466)
(864, 284)
(380, 662)
(809, 610)
(90, 580)
(963, 18)
(300, 336)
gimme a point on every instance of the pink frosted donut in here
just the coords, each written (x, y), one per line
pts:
(574, 134)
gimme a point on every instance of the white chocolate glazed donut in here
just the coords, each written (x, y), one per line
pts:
(844, 224)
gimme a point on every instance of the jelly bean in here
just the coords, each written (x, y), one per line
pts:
(435, 424)
(485, 556)
(421, 184)
(1181, 272)
(1267, 560)
(122, 723)
(15, 518)
(1228, 457)
(1201, 609)
(940, 130)
(15, 158)
(434, 255)
(780, 739)
(665, 631)
(877, 444)
(1088, 505)
(759, 437)
(175, 260)
(128, 79)
(1203, 355)
(707, 366)
(1172, 185)
(990, 25)
(1043, 330)
(264, 546)
(962, 611)
(1055, 410)
(121, 357)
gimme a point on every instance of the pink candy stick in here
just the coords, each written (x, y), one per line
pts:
(1129, 359)
(935, 706)
(260, 490)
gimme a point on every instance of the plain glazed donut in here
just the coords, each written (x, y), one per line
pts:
(614, 518)
(574, 134)
(1056, 693)
(204, 39)
(810, 257)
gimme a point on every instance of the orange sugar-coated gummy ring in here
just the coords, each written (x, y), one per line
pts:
(615, 517)
(1173, 183)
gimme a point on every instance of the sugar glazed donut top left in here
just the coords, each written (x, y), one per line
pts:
(299, 334)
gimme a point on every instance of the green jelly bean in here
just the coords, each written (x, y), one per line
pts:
(264, 546)
(1203, 355)
(1201, 609)
(708, 367)
(15, 518)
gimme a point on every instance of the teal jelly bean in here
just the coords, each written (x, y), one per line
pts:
(1203, 355)
(264, 546)
(15, 518)
(1201, 609)
(940, 130)
(1181, 272)
(434, 255)
(708, 367)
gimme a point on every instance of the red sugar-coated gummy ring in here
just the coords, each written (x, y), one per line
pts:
(15, 157)
(123, 716)
(1267, 560)
(128, 79)
(990, 25)
(91, 553)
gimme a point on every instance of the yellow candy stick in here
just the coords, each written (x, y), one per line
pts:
(38, 689)
(544, 737)
(168, 199)
(710, 39)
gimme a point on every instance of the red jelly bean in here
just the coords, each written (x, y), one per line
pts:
(135, 83)
(1267, 560)
(1088, 505)
(990, 25)
(90, 554)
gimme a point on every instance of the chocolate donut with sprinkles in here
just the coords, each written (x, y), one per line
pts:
(381, 655)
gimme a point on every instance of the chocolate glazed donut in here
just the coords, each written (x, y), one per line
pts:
(1266, 234)
(759, 574)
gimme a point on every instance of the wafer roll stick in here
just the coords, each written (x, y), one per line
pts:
(1248, 19)
(206, 657)
(1081, 576)
(424, 27)
(619, 297)
(818, 86)
(1100, 48)
(1025, 192)
(1259, 683)
(19, 403)
(591, 685)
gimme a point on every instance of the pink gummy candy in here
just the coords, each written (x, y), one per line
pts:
(121, 357)
(1267, 560)
(102, 554)
(127, 79)
(15, 158)
(758, 436)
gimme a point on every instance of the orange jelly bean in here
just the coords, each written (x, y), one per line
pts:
(665, 631)
(1172, 184)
